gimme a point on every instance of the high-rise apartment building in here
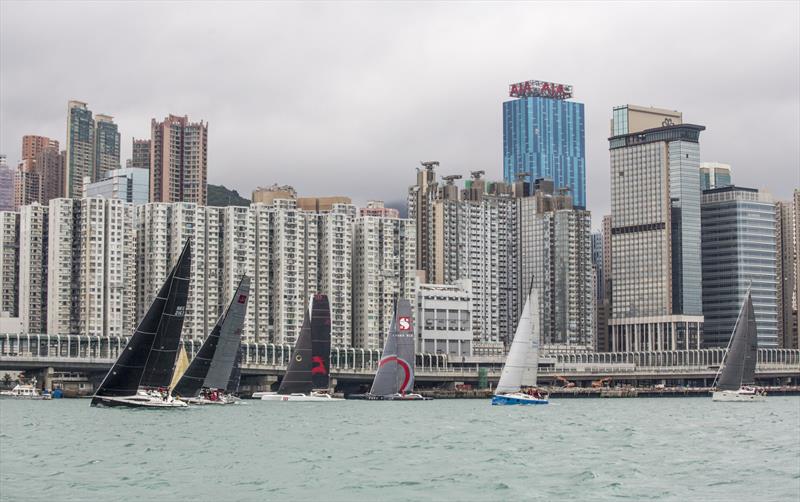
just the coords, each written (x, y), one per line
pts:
(384, 257)
(9, 264)
(33, 268)
(40, 176)
(7, 174)
(179, 160)
(655, 232)
(543, 136)
(80, 160)
(555, 253)
(92, 245)
(785, 274)
(32, 145)
(107, 143)
(738, 253)
(714, 175)
(335, 268)
(140, 154)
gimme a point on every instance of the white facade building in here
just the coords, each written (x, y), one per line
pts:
(444, 318)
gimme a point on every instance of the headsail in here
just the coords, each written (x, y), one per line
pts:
(320, 342)
(298, 374)
(396, 368)
(522, 361)
(740, 361)
(160, 328)
(236, 373)
(213, 357)
(180, 367)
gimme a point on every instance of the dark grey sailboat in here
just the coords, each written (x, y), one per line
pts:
(143, 371)
(207, 378)
(736, 380)
(307, 376)
(395, 377)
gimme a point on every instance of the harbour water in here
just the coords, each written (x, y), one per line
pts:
(586, 449)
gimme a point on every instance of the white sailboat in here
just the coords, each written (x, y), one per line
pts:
(522, 362)
(736, 379)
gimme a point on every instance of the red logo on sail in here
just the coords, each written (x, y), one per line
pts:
(319, 366)
(402, 364)
(242, 298)
(404, 323)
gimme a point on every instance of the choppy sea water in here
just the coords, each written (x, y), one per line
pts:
(580, 449)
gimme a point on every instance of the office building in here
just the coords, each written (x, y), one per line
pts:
(543, 136)
(9, 264)
(7, 174)
(443, 314)
(179, 160)
(140, 154)
(714, 175)
(107, 143)
(655, 209)
(795, 342)
(80, 160)
(384, 256)
(126, 184)
(738, 253)
(785, 240)
(556, 254)
(33, 267)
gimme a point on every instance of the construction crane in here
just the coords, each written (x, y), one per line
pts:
(603, 382)
(451, 178)
(476, 175)
(567, 383)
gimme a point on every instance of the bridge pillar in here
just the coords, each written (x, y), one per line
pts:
(257, 383)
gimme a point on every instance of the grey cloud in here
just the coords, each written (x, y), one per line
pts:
(347, 98)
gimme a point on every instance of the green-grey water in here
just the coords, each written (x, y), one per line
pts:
(583, 449)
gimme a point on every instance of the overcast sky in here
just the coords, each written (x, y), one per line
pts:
(348, 98)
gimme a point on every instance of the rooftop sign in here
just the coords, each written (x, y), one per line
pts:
(537, 88)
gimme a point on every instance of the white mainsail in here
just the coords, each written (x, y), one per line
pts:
(523, 357)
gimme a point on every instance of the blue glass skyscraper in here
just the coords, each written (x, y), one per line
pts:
(543, 135)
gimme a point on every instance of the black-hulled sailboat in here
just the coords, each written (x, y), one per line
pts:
(394, 380)
(736, 380)
(307, 377)
(141, 376)
(208, 376)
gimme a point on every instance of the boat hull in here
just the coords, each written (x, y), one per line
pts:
(313, 397)
(398, 397)
(200, 401)
(137, 401)
(516, 398)
(737, 396)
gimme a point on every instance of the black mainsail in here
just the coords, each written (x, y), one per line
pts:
(740, 361)
(320, 342)
(298, 374)
(159, 329)
(236, 373)
(212, 366)
(396, 368)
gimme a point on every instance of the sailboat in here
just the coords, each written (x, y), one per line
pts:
(307, 377)
(207, 378)
(394, 380)
(141, 376)
(736, 379)
(522, 361)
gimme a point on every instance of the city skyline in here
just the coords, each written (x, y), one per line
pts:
(288, 111)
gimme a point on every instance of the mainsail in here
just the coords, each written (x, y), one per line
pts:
(320, 342)
(396, 367)
(213, 364)
(740, 361)
(159, 330)
(298, 374)
(523, 357)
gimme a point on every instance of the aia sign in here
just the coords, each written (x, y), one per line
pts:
(537, 88)
(404, 323)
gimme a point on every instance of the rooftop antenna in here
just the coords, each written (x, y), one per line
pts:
(451, 178)
(476, 175)
(429, 165)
